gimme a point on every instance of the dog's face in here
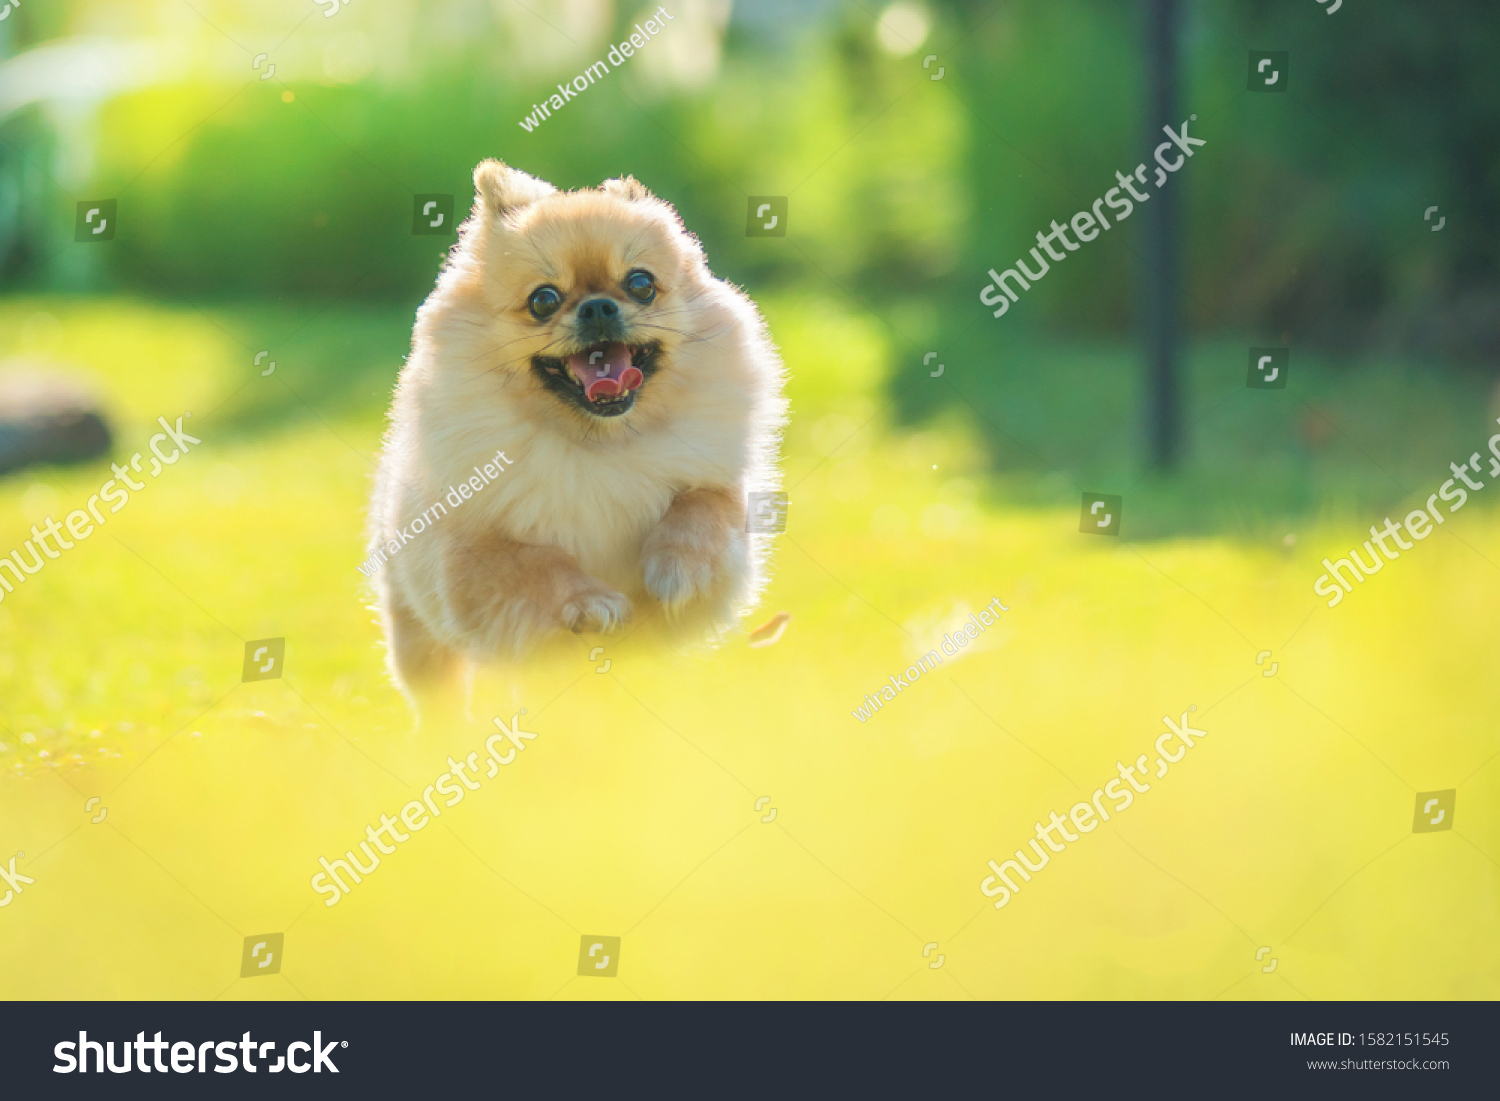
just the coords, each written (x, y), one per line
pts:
(589, 292)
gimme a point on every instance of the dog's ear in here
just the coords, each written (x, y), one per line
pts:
(502, 189)
(626, 187)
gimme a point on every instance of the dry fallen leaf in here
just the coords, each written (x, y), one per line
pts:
(768, 633)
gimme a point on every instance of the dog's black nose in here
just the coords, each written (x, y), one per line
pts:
(599, 310)
(599, 320)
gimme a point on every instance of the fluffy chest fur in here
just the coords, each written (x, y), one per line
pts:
(595, 499)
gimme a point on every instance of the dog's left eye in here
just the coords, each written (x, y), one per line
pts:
(640, 286)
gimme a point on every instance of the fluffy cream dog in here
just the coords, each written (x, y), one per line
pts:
(637, 400)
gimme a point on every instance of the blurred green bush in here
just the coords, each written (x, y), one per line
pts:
(1303, 215)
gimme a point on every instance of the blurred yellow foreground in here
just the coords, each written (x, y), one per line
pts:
(725, 815)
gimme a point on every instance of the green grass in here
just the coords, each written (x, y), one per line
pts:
(1358, 436)
(633, 813)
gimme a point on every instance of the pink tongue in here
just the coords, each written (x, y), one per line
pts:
(605, 374)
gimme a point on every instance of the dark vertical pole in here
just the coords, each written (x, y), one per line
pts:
(10, 170)
(1163, 411)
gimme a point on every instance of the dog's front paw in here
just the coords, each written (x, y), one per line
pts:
(594, 607)
(696, 549)
(676, 573)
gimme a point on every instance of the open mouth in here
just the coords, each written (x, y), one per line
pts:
(601, 379)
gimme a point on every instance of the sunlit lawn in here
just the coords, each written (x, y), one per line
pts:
(637, 810)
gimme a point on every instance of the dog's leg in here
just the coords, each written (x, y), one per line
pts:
(698, 549)
(421, 666)
(505, 595)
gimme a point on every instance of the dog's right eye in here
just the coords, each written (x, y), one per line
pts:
(544, 302)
